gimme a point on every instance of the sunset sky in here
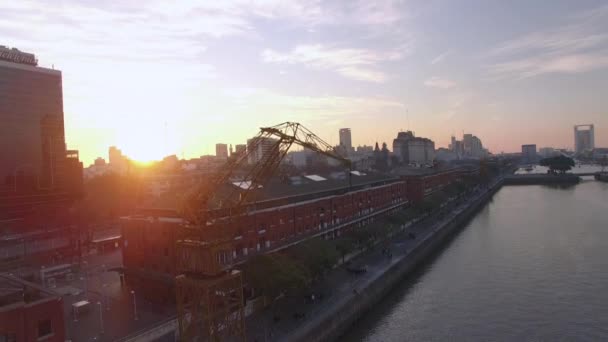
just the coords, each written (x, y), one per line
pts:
(157, 77)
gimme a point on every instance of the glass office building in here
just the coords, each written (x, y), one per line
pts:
(32, 138)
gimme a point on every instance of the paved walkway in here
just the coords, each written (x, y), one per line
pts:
(114, 316)
(340, 285)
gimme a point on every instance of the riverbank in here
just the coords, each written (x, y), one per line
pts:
(353, 299)
(541, 179)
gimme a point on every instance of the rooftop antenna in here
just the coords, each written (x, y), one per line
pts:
(166, 149)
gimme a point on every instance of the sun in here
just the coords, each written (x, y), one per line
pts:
(143, 149)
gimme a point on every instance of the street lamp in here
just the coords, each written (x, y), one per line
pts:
(100, 316)
(134, 305)
(84, 280)
(106, 296)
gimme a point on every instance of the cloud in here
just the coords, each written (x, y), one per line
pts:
(580, 45)
(356, 64)
(439, 58)
(312, 106)
(441, 83)
(569, 64)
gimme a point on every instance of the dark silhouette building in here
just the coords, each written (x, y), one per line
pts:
(35, 166)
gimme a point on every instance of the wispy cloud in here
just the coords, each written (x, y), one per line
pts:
(578, 46)
(441, 83)
(356, 64)
(534, 66)
(439, 58)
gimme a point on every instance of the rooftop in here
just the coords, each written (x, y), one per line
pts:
(15, 290)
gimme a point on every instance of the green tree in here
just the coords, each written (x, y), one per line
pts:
(345, 246)
(274, 274)
(558, 164)
(316, 255)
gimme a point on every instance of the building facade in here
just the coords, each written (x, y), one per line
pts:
(261, 149)
(584, 138)
(221, 151)
(411, 149)
(346, 139)
(29, 313)
(528, 154)
(34, 157)
(149, 252)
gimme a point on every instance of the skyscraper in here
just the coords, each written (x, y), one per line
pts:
(345, 139)
(38, 174)
(221, 151)
(584, 138)
(528, 153)
(32, 138)
(261, 149)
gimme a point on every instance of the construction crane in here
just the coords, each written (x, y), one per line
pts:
(209, 292)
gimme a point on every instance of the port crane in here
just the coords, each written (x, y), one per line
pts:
(209, 291)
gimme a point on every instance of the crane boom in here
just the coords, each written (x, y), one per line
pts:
(209, 293)
(261, 160)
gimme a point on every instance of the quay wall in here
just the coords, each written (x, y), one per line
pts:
(331, 324)
(537, 179)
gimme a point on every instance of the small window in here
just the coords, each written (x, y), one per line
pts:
(45, 328)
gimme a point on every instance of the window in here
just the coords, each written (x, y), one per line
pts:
(45, 328)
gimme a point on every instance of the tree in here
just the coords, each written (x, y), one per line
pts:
(274, 274)
(558, 164)
(345, 246)
(316, 255)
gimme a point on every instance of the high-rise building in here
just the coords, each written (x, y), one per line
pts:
(115, 155)
(470, 146)
(345, 139)
(32, 139)
(261, 149)
(411, 149)
(240, 148)
(584, 138)
(221, 151)
(528, 153)
(476, 147)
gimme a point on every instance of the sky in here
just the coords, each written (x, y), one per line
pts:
(159, 77)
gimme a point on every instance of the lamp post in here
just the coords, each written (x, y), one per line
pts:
(134, 305)
(85, 279)
(100, 317)
(106, 296)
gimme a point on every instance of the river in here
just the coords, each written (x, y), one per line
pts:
(531, 266)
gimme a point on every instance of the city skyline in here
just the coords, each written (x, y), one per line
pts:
(155, 80)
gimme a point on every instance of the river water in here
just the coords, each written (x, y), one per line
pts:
(531, 266)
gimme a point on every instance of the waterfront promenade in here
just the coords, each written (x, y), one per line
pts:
(296, 318)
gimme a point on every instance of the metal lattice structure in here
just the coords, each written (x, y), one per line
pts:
(211, 309)
(208, 289)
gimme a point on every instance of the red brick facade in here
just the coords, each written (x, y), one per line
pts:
(39, 320)
(149, 242)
